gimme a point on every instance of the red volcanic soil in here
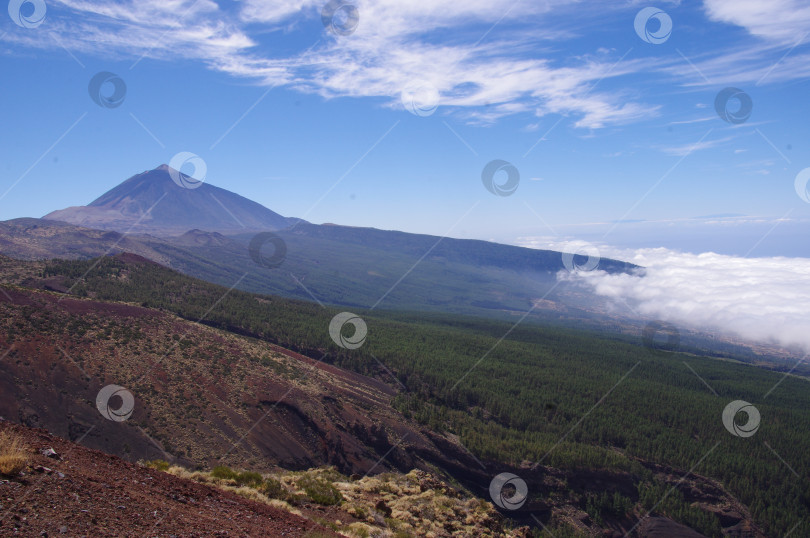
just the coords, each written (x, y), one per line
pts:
(203, 397)
(89, 493)
(70, 305)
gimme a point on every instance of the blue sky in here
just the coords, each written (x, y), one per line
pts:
(616, 139)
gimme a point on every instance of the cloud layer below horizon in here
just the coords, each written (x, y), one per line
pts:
(763, 300)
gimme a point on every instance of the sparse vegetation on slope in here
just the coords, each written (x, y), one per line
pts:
(389, 505)
(13, 454)
(545, 402)
(532, 398)
(202, 395)
(71, 490)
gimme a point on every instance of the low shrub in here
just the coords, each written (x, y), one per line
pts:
(159, 465)
(320, 491)
(248, 478)
(273, 489)
(224, 473)
(13, 454)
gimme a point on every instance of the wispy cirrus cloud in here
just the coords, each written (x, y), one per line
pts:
(171, 30)
(480, 55)
(777, 54)
(687, 149)
(756, 62)
(786, 21)
(487, 59)
(695, 120)
(168, 12)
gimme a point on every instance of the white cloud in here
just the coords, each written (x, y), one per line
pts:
(743, 62)
(482, 55)
(758, 299)
(695, 120)
(487, 78)
(781, 20)
(171, 29)
(487, 58)
(168, 12)
(687, 149)
(778, 52)
(273, 10)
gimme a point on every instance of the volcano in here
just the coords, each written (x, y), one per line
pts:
(160, 202)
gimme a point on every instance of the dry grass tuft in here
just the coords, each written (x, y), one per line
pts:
(13, 454)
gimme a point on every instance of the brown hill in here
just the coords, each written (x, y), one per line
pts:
(84, 492)
(38, 239)
(201, 396)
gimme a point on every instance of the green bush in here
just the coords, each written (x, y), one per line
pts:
(332, 475)
(159, 465)
(223, 472)
(273, 489)
(297, 499)
(248, 478)
(320, 491)
(245, 478)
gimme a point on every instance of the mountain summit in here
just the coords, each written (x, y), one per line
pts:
(207, 232)
(155, 202)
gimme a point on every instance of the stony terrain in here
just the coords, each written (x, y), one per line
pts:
(84, 492)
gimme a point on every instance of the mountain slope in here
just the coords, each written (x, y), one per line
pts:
(194, 401)
(84, 492)
(202, 395)
(470, 252)
(354, 267)
(206, 232)
(151, 202)
(38, 239)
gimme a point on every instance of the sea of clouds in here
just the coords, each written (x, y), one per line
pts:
(758, 299)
